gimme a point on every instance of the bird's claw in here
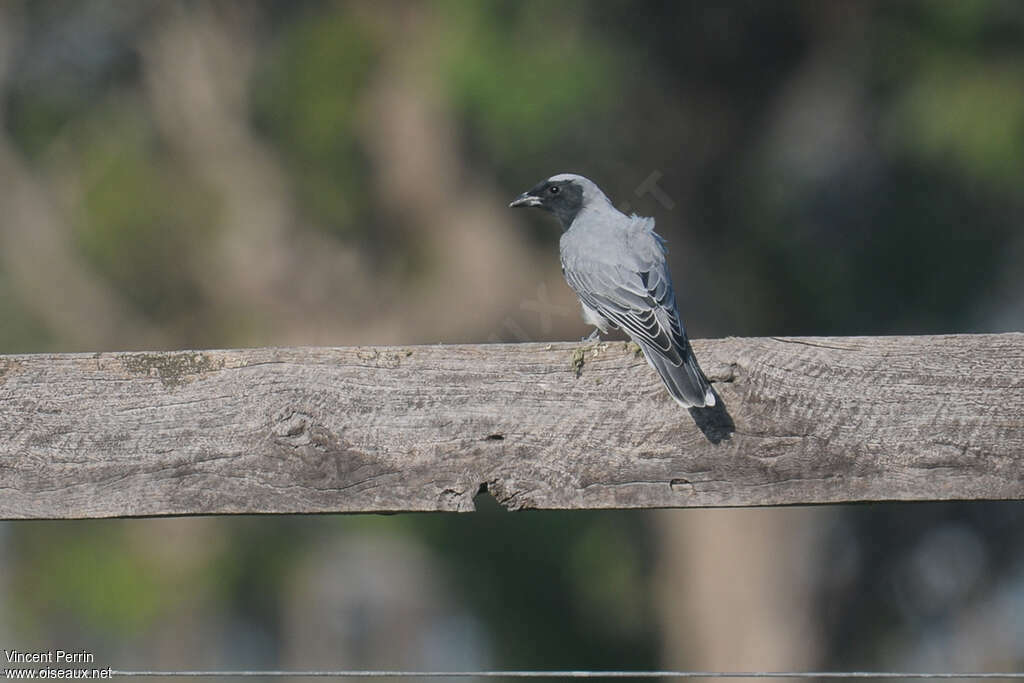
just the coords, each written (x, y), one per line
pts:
(592, 337)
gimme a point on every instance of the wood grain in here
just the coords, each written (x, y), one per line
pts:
(290, 430)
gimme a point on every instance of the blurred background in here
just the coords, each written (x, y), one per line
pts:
(225, 174)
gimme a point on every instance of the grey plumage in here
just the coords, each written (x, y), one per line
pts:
(616, 265)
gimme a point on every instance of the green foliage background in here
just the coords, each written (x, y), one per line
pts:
(835, 168)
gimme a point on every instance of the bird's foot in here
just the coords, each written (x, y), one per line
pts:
(592, 337)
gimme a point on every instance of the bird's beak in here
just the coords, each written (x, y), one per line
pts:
(525, 199)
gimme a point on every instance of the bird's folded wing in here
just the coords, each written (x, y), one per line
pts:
(641, 303)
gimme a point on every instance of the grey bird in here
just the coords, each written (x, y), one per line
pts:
(616, 265)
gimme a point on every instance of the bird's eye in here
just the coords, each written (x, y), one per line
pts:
(553, 189)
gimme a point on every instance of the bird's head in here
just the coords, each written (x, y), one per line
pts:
(564, 195)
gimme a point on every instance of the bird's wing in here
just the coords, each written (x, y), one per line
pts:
(621, 274)
(640, 301)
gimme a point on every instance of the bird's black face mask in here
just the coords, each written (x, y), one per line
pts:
(563, 198)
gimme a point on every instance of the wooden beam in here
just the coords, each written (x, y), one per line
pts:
(293, 430)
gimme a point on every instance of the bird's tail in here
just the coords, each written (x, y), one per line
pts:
(686, 383)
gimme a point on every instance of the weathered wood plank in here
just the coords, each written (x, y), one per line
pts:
(806, 420)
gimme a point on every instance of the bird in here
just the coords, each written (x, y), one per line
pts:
(616, 265)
